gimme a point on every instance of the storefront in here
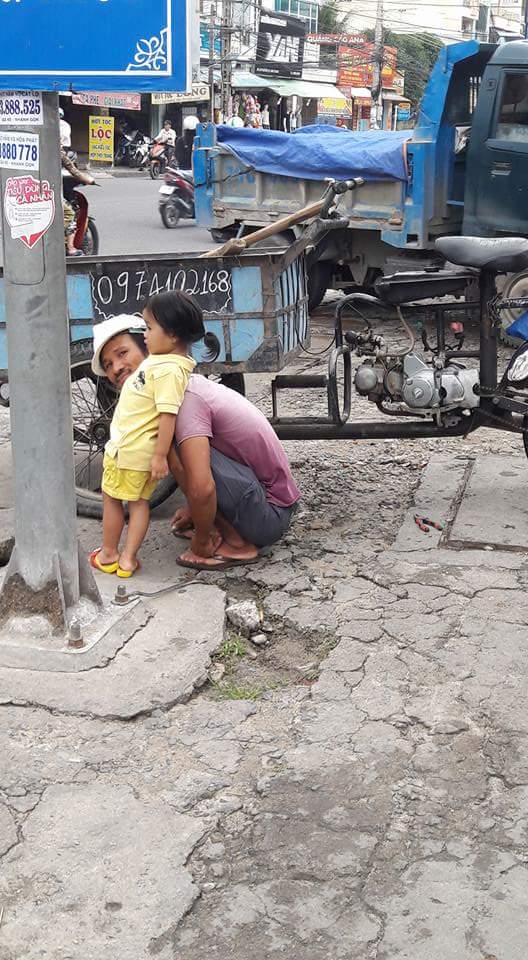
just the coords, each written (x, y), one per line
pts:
(291, 103)
(132, 109)
(176, 106)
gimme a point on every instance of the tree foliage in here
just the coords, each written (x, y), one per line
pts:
(330, 19)
(417, 54)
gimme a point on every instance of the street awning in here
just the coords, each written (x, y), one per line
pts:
(288, 88)
(394, 97)
(360, 93)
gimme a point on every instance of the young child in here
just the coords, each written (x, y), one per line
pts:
(142, 428)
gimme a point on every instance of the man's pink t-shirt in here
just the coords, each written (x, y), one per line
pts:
(237, 429)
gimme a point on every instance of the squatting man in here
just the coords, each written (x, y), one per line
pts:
(226, 459)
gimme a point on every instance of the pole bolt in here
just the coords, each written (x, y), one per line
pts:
(121, 596)
(75, 639)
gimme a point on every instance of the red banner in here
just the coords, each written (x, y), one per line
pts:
(114, 101)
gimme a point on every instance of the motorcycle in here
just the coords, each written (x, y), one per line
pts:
(159, 159)
(86, 236)
(127, 147)
(141, 156)
(176, 197)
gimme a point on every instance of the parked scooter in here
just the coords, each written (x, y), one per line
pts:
(158, 159)
(127, 146)
(176, 197)
(141, 158)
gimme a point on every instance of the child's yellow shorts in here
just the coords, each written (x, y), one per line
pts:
(126, 484)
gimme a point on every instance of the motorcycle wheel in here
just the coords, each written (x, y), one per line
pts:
(170, 215)
(93, 404)
(90, 246)
(155, 169)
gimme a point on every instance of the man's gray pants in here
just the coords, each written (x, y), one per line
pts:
(241, 499)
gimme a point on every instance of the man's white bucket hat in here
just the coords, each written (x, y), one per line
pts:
(105, 331)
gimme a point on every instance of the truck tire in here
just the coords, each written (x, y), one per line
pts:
(318, 277)
(93, 404)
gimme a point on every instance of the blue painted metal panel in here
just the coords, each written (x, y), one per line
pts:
(80, 298)
(246, 337)
(80, 331)
(247, 289)
(94, 44)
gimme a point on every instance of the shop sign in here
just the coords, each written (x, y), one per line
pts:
(198, 93)
(356, 65)
(130, 45)
(113, 101)
(101, 140)
(334, 107)
(205, 39)
(280, 45)
(404, 111)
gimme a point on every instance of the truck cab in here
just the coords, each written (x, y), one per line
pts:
(496, 192)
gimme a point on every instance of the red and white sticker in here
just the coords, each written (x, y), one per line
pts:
(29, 207)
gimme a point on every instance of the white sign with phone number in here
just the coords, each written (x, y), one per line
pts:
(20, 108)
(19, 150)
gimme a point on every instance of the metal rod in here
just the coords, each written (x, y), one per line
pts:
(488, 340)
(373, 430)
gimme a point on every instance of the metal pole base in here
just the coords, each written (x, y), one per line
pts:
(53, 601)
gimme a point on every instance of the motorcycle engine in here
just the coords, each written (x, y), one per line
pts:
(411, 381)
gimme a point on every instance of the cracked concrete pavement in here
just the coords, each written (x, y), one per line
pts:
(375, 807)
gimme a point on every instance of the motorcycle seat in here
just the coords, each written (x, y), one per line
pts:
(500, 255)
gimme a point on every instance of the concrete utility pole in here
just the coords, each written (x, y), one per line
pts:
(227, 26)
(44, 574)
(376, 109)
(212, 18)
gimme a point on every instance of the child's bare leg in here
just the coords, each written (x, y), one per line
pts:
(113, 523)
(138, 522)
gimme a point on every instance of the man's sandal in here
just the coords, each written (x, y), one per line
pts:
(103, 567)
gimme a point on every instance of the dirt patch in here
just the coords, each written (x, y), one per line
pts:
(243, 671)
(18, 600)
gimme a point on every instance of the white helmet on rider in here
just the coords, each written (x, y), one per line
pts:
(61, 113)
(190, 123)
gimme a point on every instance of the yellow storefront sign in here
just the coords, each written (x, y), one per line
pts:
(334, 106)
(101, 142)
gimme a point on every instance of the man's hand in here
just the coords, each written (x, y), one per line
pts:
(159, 467)
(181, 520)
(205, 546)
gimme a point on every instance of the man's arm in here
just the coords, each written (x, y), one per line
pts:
(200, 490)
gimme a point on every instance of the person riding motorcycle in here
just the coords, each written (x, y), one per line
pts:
(70, 222)
(167, 136)
(184, 144)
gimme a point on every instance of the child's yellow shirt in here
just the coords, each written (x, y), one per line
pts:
(157, 386)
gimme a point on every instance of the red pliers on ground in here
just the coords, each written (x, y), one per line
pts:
(425, 524)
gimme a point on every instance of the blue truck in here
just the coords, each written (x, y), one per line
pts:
(467, 172)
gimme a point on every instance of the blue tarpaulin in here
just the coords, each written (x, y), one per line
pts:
(315, 153)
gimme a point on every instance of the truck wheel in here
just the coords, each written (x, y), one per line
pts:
(235, 381)
(93, 404)
(221, 236)
(318, 277)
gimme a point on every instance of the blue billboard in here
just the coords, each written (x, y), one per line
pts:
(135, 45)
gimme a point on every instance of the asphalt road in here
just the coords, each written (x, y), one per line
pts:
(128, 220)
